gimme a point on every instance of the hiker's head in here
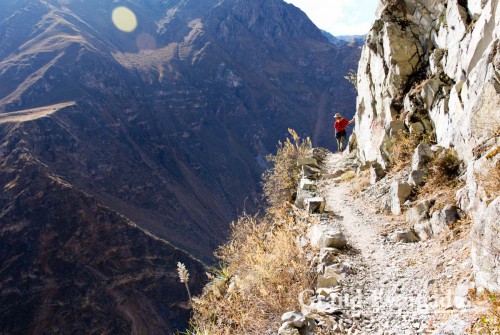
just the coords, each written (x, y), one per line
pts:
(338, 116)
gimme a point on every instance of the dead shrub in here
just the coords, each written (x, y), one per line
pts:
(265, 272)
(361, 182)
(280, 182)
(488, 322)
(403, 147)
(442, 177)
(445, 167)
(348, 175)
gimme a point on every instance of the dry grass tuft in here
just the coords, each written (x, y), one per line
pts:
(442, 177)
(445, 167)
(280, 182)
(489, 322)
(402, 150)
(346, 176)
(263, 273)
(360, 183)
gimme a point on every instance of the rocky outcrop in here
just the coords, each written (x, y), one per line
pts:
(431, 68)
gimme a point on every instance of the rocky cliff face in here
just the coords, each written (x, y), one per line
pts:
(433, 67)
(119, 150)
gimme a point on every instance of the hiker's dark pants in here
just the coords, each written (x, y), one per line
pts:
(341, 137)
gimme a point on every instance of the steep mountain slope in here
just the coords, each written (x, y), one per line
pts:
(71, 265)
(192, 100)
(119, 150)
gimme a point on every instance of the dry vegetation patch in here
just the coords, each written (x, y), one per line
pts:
(281, 180)
(488, 322)
(264, 270)
(442, 181)
(263, 265)
(402, 149)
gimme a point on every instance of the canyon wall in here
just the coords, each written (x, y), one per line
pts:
(431, 69)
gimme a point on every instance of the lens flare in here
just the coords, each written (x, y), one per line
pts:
(124, 19)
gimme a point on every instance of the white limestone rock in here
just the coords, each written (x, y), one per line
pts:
(315, 205)
(376, 173)
(485, 247)
(332, 238)
(328, 278)
(419, 212)
(315, 233)
(442, 219)
(307, 184)
(302, 196)
(295, 318)
(403, 236)
(310, 172)
(309, 161)
(423, 230)
(288, 329)
(422, 155)
(452, 327)
(399, 192)
(416, 178)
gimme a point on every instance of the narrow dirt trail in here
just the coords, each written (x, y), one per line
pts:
(390, 280)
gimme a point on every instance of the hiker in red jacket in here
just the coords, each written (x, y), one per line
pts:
(340, 133)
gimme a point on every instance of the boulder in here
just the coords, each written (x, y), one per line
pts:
(288, 329)
(449, 214)
(421, 156)
(310, 172)
(416, 178)
(328, 280)
(332, 238)
(403, 236)
(376, 173)
(430, 91)
(423, 230)
(307, 184)
(328, 256)
(315, 233)
(296, 319)
(315, 205)
(419, 212)
(441, 219)
(302, 196)
(417, 128)
(309, 162)
(398, 194)
(319, 154)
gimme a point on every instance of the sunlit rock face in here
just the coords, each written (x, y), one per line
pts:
(433, 68)
(130, 138)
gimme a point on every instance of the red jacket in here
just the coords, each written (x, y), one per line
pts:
(341, 124)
